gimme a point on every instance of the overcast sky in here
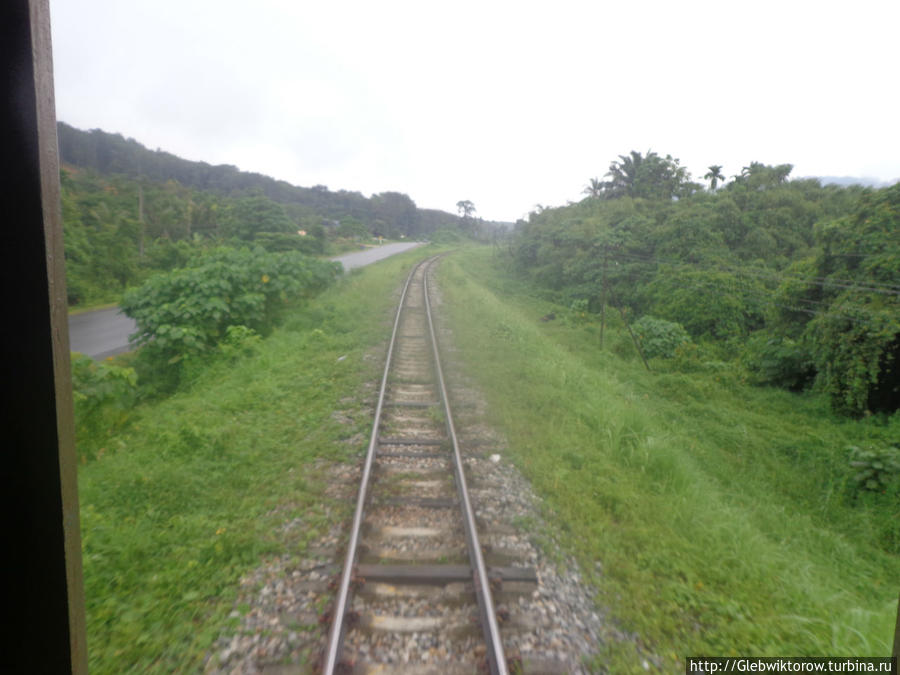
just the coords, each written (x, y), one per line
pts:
(507, 104)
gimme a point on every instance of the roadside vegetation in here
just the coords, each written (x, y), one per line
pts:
(182, 494)
(712, 515)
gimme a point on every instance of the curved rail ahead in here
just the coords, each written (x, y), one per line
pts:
(495, 656)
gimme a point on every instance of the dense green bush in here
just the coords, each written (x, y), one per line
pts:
(165, 254)
(874, 483)
(187, 312)
(275, 242)
(875, 469)
(103, 393)
(857, 348)
(845, 300)
(779, 361)
(659, 338)
(708, 303)
(239, 341)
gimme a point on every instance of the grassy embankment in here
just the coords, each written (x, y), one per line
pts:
(712, 516)
(189, 496)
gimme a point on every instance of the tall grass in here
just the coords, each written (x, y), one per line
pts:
(188, 497)
(711, 516)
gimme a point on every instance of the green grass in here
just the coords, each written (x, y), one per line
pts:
(82, 309)
(712, 517)
(717, 511)
(188, 497)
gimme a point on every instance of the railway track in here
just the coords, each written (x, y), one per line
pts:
(415, 593)
(406, 593)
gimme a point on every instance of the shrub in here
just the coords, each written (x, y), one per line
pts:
(711, 303)
(187, 312)
(780, 361)
(659, 338)
(578, 311)
(874, 468)
(239, 341)
(289, 241)
(165, 254)
(102, 393)
(857, 349)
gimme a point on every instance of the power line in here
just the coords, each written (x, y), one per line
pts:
(828, 310)
(816, 308)
(824, 282)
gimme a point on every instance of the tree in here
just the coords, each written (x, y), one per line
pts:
(759, 176)
(714, 175)
(623, 174)
(648, 176)
(465, 208)
(397, 211)
(856, 334)
(594, 189)
(248, 216)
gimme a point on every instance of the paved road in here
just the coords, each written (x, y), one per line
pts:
(101, 333)
(105, 332)
(374, 254)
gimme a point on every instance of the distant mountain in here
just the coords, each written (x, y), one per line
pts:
(845, 181)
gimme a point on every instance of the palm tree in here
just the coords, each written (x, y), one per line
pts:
(623, 174)
(594, 188)
(714, 175)
(781, 172)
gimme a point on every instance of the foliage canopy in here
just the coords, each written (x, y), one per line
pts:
(813, 270)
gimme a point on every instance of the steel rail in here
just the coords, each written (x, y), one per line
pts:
(336, 633)
(496, 657)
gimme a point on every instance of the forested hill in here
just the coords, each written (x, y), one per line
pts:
(130, 212)
(387, 213)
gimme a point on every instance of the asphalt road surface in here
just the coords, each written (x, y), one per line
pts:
(374, 254)
(104, 332)
(101, 333)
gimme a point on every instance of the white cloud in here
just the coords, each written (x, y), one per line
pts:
(506, 104)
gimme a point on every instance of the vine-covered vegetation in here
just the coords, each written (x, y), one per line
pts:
(797, 281)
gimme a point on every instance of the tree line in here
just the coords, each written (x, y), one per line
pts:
(387, 214)
(129, 212)
(796, 281)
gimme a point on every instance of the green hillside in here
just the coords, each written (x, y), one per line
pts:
(129, 212)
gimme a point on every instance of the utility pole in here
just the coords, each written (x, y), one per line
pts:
(637, 345)
(603, 296)
(141, 216)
